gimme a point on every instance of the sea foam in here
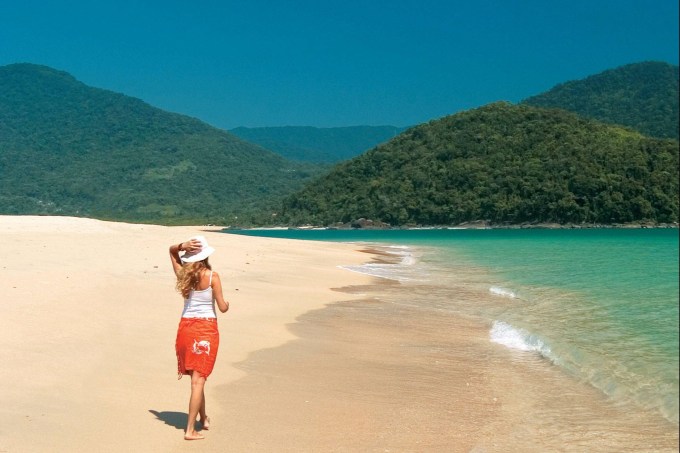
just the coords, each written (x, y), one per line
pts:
(517, 338)
(401, 271)
(498, 291)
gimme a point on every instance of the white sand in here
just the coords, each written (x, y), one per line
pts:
(89, 314)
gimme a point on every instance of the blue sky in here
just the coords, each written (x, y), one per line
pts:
(334, 63)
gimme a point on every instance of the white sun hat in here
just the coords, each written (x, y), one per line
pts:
(199, 255)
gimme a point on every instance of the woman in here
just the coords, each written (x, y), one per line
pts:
(197, 335)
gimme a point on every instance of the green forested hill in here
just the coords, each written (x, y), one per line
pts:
(504, 164)
(321, 145)
(66, 148)
(643, 96)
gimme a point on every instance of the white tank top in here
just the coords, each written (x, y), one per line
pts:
(200, 303)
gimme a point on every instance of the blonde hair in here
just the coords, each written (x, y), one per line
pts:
(190, 275)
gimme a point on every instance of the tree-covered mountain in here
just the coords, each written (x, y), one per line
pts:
(643, 96)
(320, 145)
(70, 149)
(66, 148)
(503, 164)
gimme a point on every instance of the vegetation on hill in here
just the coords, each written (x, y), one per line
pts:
(643, 96)
(504, 164)
(320, 145)
(70, 149)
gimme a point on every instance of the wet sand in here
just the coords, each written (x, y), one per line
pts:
(373, 375)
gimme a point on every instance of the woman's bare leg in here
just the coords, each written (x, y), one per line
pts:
(196, 404)
(202, 417)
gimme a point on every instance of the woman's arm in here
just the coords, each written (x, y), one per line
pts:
(187, 246)
(222, 304)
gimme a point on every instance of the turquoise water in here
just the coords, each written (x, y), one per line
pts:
(600, 303)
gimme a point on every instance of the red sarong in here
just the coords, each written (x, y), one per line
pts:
(196, 345)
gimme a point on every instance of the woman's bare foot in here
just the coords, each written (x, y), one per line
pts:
(205, 423)
(192, 436)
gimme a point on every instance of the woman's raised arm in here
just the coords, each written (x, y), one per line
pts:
(187, 246)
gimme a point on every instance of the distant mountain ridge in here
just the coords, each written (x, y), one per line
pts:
(502, 164)
(322, 145)
(643, 96)
(70, 149)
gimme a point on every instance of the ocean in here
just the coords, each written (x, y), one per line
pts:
(600, 304)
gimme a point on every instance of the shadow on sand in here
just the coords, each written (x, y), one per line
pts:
(177, 420)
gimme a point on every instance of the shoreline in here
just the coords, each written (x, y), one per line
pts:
(471, 226)
(378, 374)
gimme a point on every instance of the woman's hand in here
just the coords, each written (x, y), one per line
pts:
(192, 245)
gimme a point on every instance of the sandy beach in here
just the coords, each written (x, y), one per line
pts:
(311, 359)
(89, 314)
